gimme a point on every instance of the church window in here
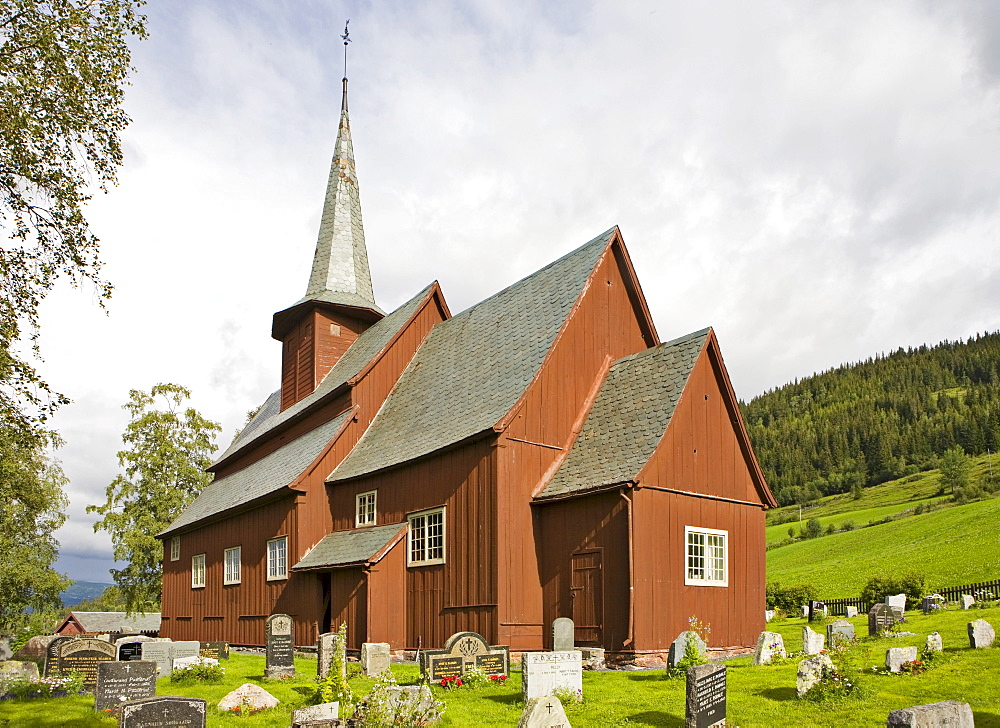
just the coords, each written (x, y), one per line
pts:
(707, 557)
(175, 548)
(366, 509)
(277, 558)
(233, 566)
(425, 538)
(197, 571)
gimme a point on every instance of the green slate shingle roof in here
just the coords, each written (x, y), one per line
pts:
(343, 548)
(271, 473)
(472, 368)
(628, 418)
(360, 353)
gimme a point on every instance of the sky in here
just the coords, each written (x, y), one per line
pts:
(818, 181)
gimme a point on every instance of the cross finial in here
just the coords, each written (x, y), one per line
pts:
(347, 39)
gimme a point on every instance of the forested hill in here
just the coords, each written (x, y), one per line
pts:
(862, 424)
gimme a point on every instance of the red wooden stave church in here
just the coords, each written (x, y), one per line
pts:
(417, 474)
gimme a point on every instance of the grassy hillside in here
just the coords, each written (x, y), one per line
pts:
(951, 546)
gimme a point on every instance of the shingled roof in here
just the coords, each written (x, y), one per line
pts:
(346, 548)
(628, 418)
(106, 622)
(367, 346)
(472, 368)
(271, 473)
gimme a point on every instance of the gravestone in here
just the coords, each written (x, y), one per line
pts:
(279, 631)
(321, 712)
(325, 646)
(162, 653)
(462, 651)
(121, 681)
(250, 696)
(215, 650)
(51, 666)
(949, 713)
(851, 611)
(5, 651)
(805, 610)
(186, 648)
(414, 701)
(374, 658)
(83, 656)
(543, 673)
(898, 601)
(810, 671)
(981, 634)
(768, 615)
(544, 712)
(812, 642)
(840, 632)
(679, 646)
(563, 634)
(769, 646)
(14, 670)
(706, 696)
(34, 649)
(967, 601)
(817, 610)
(897, 613)
(880, 619)
(934, 643)
(166, 711)
(931, 603)
(896, 656)
(130, 648)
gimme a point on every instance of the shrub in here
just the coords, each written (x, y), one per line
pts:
(837, 682)
(879, 587)
(201, 671)
(383, 707)
(813, 528)
(789, 599)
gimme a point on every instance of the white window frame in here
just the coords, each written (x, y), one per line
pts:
(364, 509)
(175, 548)
(277, 564)
(232, 565)
(417, 546)
(701, 555)
(198, 571)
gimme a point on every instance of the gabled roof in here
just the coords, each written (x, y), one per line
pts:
(351, 548)
(473, 368)
(106, 622)
(628, 418)
(271, 473)
(361, 353)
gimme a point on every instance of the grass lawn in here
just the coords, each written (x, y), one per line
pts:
(950, 546)
(757, 696)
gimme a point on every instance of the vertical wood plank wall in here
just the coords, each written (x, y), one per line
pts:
(604, 325)
(700, 453)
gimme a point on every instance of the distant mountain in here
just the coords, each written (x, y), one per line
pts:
(863, 424)
(82, 590)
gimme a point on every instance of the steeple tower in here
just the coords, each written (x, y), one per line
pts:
(339, 303)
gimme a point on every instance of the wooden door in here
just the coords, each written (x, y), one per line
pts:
(587, 592)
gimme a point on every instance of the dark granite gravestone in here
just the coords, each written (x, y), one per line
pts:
(279, 631)
(880, 619)
(51, 666)
(121, 681)
(817, 610)
(166, 711)
(706, 696)
(215, 650)
(462, 651)
(128, 651)
(83, 656)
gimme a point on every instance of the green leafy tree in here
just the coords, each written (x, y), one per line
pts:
(814, 529)
(955, 469)
(167, 448)
(63, 68)
(31, 490)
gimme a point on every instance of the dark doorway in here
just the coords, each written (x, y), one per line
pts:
(587, 591)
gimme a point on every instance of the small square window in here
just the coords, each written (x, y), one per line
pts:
(175, 548)
(197, 571)
(233, 566)
(277, 558)
(707, 557)
(365, 509)
(425, 538)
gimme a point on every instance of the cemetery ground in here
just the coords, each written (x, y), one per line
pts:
(757, 696)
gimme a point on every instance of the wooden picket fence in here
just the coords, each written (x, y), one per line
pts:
(838, 607)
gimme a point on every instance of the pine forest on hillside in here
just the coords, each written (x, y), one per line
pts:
(863, 424)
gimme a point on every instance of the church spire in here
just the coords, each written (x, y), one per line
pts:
(340, 272)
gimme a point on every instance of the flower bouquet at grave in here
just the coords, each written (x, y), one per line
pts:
(55, 686)
(451, 682)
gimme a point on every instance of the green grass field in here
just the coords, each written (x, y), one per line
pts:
(757, 696)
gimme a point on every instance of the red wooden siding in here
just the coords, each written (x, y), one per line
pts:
(604, 327)
(349, 603)
(311, 348)
(461, 593)
(582, 526)
(387, 598)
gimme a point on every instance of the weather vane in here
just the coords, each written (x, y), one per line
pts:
(347, 39)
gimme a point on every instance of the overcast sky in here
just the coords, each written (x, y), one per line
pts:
(818, 181)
